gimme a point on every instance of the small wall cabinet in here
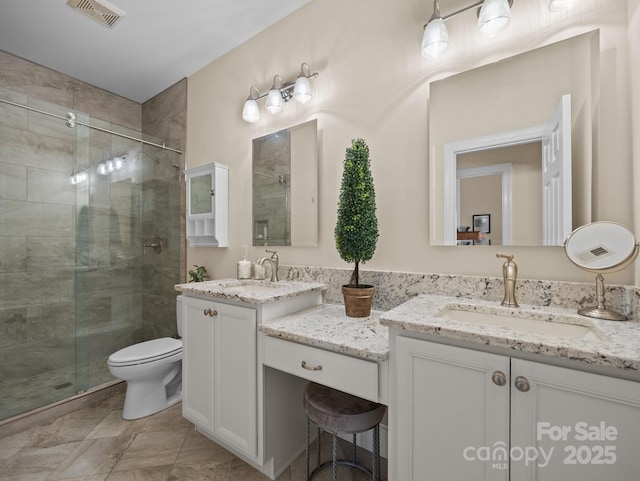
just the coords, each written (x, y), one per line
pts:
(472, 415)
(208, 205)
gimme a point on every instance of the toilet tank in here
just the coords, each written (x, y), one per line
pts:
(179, 301)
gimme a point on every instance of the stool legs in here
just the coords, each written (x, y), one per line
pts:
(375, 472)
(376, 453)
(334, 454)
(307, 450)
(355, 449)
(318, 451)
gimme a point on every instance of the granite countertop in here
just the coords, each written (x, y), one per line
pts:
(250, 291)
(327, 326)
(611, 343)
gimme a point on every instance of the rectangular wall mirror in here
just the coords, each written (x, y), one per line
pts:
(514, 140)
(285, 187)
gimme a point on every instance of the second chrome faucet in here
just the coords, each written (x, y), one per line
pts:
(274, 261)
(510, 276)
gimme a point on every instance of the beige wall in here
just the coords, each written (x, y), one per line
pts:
(374, 84)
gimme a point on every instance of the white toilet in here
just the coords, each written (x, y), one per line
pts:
(153, 371)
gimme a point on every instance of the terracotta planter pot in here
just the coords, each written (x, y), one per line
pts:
(358, 300)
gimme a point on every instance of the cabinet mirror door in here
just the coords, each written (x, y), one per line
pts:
(200, 194)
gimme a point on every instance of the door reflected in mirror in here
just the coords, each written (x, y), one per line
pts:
(285, 185)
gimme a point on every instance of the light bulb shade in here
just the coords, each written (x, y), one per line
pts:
(302, 90)
(559, 5)
(435, 39)
(102, 168)
(495, 16)
(275, 101)
(250, 111)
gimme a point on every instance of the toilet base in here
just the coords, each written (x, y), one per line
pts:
(145, 398)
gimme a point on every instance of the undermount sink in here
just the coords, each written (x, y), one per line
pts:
(253, 286)
(520, 323)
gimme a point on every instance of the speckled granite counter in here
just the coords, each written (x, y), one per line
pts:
(615, 344)
(328, 327)
(250, 291)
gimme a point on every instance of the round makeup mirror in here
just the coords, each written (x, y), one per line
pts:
(601, 247)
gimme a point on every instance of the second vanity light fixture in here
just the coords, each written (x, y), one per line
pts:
(280, 92)
(493, 17)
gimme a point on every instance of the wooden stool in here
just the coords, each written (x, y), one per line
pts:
(338, 412)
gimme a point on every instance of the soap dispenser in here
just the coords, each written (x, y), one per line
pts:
(244, 265)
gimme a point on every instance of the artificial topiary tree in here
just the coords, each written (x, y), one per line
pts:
(356, 230)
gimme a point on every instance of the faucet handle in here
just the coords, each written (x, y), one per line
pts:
(509, 257)
(274, 254)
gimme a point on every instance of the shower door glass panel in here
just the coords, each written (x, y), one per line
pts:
(37, 253)
(76, 206)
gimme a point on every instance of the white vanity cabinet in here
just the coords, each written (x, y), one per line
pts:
(473, 415)
(219, 388)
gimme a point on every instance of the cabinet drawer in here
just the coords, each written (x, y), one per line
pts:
(345, 373)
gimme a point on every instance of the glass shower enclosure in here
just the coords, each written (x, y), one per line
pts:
(78, 205)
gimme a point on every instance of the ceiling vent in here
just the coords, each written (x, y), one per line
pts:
(99, 10)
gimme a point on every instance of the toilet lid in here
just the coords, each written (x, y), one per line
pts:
(147, 351)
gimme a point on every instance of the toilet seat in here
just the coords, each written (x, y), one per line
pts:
(147, 351)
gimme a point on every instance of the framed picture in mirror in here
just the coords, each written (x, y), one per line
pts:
(482, 223)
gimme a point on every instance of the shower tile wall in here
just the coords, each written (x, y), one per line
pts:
(164, 117)
(39, 223)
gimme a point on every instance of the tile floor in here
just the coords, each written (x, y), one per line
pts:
(96, 444)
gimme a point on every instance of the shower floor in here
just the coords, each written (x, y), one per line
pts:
(48, 387)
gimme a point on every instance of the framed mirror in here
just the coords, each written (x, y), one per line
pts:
(513, 140)
(285, 187)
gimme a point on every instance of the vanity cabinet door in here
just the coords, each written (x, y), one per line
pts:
(219, 370)
(452, 404)
(579, 426)
(235, 372)
(197, 362)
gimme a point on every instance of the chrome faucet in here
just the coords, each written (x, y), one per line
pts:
(510, 275)
(274, 261)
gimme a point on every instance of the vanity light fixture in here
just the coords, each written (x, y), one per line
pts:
(275, 100)
(251, 111)
(280, 93)
(493, 17)
(436, 37)
(560, 5)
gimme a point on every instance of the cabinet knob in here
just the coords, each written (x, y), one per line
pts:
(522, 384)
(499, 378)
(210, 312)
(311, 368)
